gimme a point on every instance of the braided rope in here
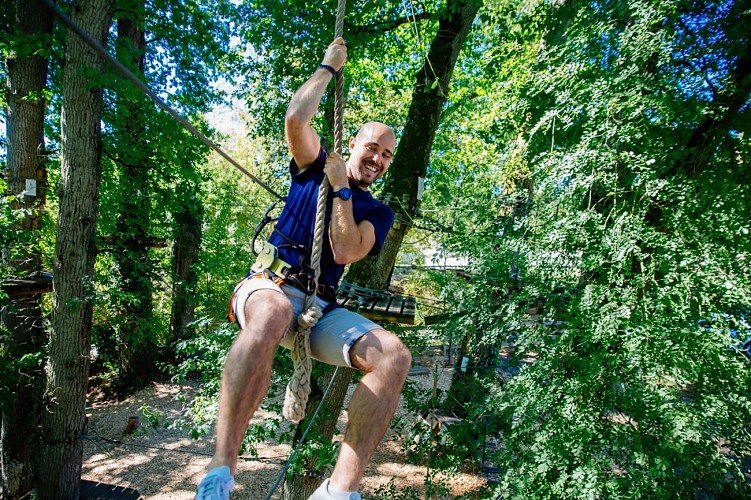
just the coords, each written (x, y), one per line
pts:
(339, 96)
(298, 389)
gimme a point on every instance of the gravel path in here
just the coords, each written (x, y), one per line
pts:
(167, 464)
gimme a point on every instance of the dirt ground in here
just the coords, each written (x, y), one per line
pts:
(168, 464)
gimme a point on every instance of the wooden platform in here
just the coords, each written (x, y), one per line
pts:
(41, 283)
(93, 490)
(377, 305)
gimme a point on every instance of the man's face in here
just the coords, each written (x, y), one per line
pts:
(370, 153)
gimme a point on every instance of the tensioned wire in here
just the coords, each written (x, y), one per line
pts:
(128, 75)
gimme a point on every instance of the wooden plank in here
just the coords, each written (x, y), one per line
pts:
(378, 306)
(94, 490)
(41, 283)
(381, 306)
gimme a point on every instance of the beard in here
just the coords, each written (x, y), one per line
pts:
(364, 177)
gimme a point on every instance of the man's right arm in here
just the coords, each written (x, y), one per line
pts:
(302, 140)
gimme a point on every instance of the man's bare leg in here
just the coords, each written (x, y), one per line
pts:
(386, 362)
(247, 372)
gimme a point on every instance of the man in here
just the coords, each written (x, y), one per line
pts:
(357, 226)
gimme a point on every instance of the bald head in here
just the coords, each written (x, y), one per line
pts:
(370, 153)
(378, 130)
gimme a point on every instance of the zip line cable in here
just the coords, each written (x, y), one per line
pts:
(127, 74)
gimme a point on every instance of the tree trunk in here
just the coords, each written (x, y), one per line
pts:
(26, 79)
(299, 486)
(185, 255)
(134, 269)
(413, 154)
(409, 165)
(75, 250)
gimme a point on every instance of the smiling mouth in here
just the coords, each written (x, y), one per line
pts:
(370, 168)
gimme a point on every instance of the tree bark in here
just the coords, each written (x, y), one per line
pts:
(26, 79)
(75, 250)
(185, 255)
(409, 165)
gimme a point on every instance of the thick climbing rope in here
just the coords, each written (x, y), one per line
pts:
(298, 389)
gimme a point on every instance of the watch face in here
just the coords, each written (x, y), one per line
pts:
(343, 193)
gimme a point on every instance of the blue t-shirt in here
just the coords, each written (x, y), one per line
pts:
(297, 219)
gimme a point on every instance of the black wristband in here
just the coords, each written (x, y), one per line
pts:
(328, 68)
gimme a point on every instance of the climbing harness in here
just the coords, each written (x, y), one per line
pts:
(301, 277)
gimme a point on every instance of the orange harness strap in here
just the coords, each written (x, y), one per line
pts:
(264, 274)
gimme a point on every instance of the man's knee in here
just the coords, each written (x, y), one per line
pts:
(380, 350)
(269, 313)
(401, 358)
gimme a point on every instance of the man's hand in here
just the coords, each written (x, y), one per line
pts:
(336, 171)
(336, 54)
(302, 140)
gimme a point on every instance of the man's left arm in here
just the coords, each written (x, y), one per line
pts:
(350, 241)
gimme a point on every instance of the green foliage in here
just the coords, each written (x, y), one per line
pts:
(385, 45)
(631, 380)
(391, 491)
(203, 357)
(151, 171)
(316, 454)
(591, 163)
(15, 244)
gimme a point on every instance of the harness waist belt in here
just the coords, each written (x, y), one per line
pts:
(301, 279)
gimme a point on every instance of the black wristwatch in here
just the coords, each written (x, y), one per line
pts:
(344, 193)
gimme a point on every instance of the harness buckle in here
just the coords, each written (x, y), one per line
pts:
(301, 277)
(268, 258)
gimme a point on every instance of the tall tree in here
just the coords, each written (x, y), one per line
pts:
(430, 93)
(131, 238)
(26, 68)
(407, 173)
(75, 250)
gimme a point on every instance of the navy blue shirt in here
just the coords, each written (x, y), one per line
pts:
(298, 219)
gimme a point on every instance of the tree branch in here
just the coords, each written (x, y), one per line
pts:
(730, 100)
(386, 26)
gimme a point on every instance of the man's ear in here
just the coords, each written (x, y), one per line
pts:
(351, 142)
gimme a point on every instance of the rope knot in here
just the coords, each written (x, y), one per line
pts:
(309, 318)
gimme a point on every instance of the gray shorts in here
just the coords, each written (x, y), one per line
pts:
(333, 336)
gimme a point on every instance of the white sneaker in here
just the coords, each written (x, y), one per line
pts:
(322, 493)
(216, 485)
